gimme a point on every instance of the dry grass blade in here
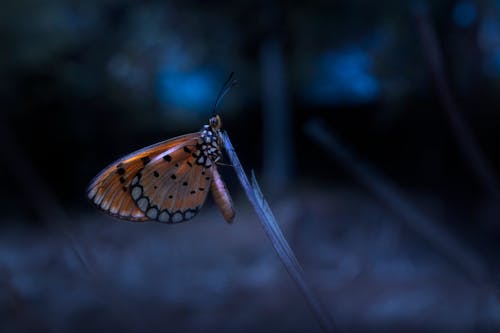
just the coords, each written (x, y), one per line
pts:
(273, 232)
(470, 147)
(387, 192)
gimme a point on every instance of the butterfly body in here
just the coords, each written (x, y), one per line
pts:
(166, 182)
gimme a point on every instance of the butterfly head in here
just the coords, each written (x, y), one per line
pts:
(215, 123)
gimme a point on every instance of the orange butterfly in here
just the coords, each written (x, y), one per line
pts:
(168, 181)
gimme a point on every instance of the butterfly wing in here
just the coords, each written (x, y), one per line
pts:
(173, 186)
(111, 189)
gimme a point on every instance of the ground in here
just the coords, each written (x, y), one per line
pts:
(369, 270)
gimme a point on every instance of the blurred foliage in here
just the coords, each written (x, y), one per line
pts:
(102, 73)
(117, 48)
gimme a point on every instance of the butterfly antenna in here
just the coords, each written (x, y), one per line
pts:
(230, 82)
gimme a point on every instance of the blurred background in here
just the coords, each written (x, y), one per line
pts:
(373, 127)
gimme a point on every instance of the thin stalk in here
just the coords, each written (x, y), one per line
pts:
(441, 239)
(275, 235)
(466, 140)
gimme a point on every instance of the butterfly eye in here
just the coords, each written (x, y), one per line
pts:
(215, 122)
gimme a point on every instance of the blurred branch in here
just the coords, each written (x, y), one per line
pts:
(278, 154)
(467, 261)
(469, 146)
(38, 193)
(273, 232)
(52, 214)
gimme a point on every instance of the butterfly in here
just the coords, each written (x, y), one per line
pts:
(168, 181)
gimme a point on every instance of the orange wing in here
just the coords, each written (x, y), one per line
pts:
(111, 189)
(173, 186)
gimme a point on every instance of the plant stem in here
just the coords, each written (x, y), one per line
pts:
(393, 197)
(275, 235)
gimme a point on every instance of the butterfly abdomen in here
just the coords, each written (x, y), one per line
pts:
(221, 197)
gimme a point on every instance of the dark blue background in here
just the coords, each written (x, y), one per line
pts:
(83, 83)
